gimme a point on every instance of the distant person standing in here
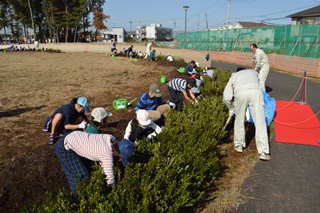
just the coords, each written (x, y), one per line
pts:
(148, 50)
(260, 63)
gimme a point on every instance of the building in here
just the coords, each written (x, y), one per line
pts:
(153, 32)
(309, 16)
(118, 34)
(247, 24)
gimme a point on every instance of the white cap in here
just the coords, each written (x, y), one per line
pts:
(143, 117)
(98, 114)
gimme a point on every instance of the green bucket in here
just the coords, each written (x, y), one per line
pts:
(181, 69)
(163, 79)
(120, 103)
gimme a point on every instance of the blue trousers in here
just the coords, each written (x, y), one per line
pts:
(72, 165)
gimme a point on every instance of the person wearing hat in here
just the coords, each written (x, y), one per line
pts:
(67, 118)
(179, 88)
(190, 67)
(199, 81)
(99, 120)
(152, 102)
(169, 57)
(70, 150)
(141, 126)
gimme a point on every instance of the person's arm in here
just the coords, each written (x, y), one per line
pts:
(228, 94)
(186, 97)
(107, 164)
(193, 98)
(157, 130)
(257, 60)
(128, 131)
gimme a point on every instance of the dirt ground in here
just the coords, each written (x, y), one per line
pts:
(34, 84)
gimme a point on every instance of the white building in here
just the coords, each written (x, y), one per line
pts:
(118, 34)
(153, 32)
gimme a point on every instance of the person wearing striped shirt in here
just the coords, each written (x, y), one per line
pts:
(152, 102)
(179, 88)
(96, 147)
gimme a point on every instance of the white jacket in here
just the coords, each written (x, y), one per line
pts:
(260, 59)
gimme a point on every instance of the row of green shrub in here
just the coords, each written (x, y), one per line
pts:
(170, 174)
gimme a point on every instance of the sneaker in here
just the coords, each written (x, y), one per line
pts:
(238, 148)
(264, 156)
(44, 130)
(51, 139)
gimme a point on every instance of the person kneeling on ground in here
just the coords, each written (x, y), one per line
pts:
(99, 120)
(169, 57)
(141, 126)
(67, 118)
(70, 150)
(178, 87)
(199, 82)
(153, 55)
(152, 102)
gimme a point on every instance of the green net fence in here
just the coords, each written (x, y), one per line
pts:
(291, 40)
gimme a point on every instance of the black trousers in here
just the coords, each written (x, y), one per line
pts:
(176, 97)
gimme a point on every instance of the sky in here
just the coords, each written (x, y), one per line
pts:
(214, 13)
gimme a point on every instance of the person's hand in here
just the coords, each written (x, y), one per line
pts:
(231, 112)
(148, 138)
(83, 125)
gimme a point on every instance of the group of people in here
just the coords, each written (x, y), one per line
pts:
(80, 142)
(22, 48)
(243, 90)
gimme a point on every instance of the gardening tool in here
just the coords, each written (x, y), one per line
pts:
(181, 69)
(122, 103)
(163, 79)
(228, 120)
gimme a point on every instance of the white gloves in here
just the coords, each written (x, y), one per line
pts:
(195, 102)
(149, 138)
(172, 105)
(83, 125)
(231, 112)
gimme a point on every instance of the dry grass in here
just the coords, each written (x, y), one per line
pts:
(33, 85)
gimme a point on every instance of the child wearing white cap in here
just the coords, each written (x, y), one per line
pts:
(140, 126)
(99, 120)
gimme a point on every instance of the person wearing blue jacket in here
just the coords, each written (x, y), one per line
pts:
(152, 102)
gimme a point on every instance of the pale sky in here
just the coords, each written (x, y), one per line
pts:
(170, 13)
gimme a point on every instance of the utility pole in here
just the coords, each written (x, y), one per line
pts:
(185, 26)
(174, 28)
(228, 16)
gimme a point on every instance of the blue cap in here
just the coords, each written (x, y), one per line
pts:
(126, 148)
(84, 102)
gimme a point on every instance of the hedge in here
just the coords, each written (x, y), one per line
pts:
(169, 174)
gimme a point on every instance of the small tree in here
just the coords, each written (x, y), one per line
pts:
(98, 21)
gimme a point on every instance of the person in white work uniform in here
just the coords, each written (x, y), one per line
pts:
(260, 64)
(148, 50)
(243, 90)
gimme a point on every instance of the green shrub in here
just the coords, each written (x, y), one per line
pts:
(169, 174)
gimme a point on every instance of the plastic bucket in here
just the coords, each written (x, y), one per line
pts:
(163, 79)
(120, 103)
(181, 69)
